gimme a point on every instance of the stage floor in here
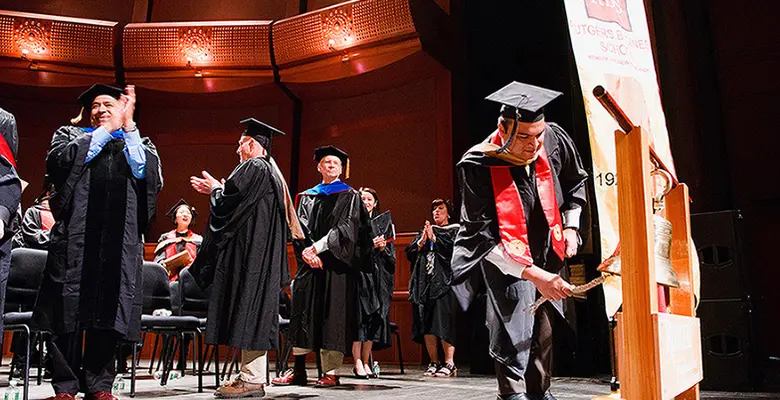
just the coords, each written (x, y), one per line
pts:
(392, 385)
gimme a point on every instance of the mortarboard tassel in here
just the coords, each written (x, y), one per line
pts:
(508, 141)
(77, 119)
(346, 173)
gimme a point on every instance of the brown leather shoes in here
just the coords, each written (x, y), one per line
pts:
(62, 396)
(327, 381)
(290, 377)
(239, 389)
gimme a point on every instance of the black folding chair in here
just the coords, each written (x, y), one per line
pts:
(191, 300)
(157, 294)
(20, 322)
(24, 280)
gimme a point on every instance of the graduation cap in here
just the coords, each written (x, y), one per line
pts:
(172, 212)
(324, 151)
(90, 94)
(260, 131)
(522, 102)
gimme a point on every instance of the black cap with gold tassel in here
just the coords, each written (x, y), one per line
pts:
(89, 96)
(322, 152)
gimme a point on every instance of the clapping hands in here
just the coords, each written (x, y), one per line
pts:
(427, 234)
(206, 184)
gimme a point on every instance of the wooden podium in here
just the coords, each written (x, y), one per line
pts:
(659, 353)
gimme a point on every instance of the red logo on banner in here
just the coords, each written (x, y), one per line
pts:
(609, 11)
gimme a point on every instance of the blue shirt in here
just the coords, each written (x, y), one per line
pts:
(134, 151)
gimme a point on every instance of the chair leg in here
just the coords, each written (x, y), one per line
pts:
(133, 364)
(216, 364)
(182, 354)
(11, 370)
(175, 344)
(233, 363)
(40, 341)
(279, 351)
(165, 349)
(287, 352)
(154, 352)
(208, 352)
(141, 350)
(228, 361)
(194, 359)
(27, 365)
(400, 352)
(197, 343)
(169, 350)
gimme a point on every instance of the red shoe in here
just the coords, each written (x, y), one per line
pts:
(101, 396)
(289, 377)
(327, 381)
(62, 396)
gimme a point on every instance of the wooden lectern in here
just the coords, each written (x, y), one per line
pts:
(659, 353)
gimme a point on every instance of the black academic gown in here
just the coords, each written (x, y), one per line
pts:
(244, 258)
(33, 234)
(324, 301)
(431, 294)
(375, 295)
(93, 277)
(10, 195)
(511, 327)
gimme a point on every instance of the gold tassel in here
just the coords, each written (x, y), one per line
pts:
(77, 119)
(346, 174)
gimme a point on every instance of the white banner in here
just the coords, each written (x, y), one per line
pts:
(612, 48)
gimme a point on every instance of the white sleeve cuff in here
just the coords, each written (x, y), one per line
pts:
(506, 264)
(321, 245)
(571, 218)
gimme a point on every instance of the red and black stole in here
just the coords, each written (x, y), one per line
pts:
(512, 225)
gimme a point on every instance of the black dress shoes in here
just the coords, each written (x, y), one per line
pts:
(515, 396)
(526, 396)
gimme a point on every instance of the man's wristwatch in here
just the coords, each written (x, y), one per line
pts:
(133, 128)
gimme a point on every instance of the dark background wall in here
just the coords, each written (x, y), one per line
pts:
(718, 64)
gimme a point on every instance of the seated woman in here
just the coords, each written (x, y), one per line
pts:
(172, 244)
(433, 302)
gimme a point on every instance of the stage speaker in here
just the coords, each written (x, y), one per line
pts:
(727, 329)
(719, 245)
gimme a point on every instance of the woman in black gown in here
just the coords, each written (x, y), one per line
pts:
(433, 302)
(375, 294)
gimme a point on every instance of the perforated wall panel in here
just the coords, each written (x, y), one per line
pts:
(40, 37)
(340, 27)
(243, 44)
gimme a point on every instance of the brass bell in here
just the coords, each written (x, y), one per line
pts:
(664, 272)
(662, 232)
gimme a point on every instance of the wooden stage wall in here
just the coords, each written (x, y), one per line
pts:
(400, 310)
